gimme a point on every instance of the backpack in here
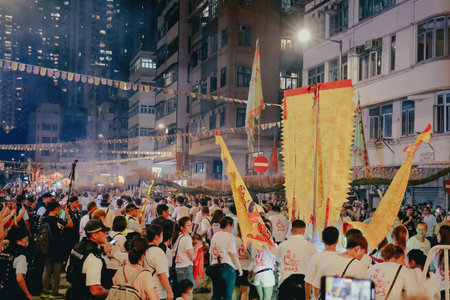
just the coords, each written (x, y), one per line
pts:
(7, 275)
(124, 290)
(43, 239)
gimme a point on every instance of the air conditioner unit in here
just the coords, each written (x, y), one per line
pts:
(356, 50)
(372, 44)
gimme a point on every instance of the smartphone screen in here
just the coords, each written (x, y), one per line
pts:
(338, 288)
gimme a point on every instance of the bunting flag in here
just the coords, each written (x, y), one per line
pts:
(274, 159)
(9, 65)
(359, 143)
(255, 102)
(250, 222)
(335, 120)
(386, 212)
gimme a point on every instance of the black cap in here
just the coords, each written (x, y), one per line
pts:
(52, 205)
(47, 195)
(95, 225)
(16, 233)
(73, 199)
(130, 207)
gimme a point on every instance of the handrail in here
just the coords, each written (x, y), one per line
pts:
(431, 253)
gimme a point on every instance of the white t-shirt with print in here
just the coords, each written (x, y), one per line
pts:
(222, 244)
(414, 243)
(439, 271)
(261, 259)
(334, 265)
(185, 243)
(430, 289)
(243, 254)
(280, 225)
(294, 255)
(156, 263)
(314, 264)
(383, 274)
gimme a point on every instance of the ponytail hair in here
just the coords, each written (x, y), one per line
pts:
(391, 251)
(177, 228)
(138, 246)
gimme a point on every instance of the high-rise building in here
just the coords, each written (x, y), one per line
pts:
(397, 55)
(207, 47)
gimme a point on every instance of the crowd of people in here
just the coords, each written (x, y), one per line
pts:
(112, 244)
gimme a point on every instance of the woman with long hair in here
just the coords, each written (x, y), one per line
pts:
(400, 236)
(392, 278)
(443, 238)
(134, 273)
(184, 250)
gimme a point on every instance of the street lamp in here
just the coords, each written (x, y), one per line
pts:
(304, 36)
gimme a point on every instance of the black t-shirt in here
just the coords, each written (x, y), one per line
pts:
(57, 226)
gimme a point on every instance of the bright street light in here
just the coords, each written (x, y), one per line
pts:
(161, 125)
(304, 35)
(100, 135)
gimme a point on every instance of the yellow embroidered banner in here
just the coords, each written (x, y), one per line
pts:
(386, 212)
(335, 124)
(250, 222)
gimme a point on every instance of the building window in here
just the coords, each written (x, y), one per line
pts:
(393, 47)
(316, 74)
(407, 117)
(370, 64)
(214, 45)
(286, 44)
(317, 24)
(243, 76)
(333, 68)
(224, 37)
(244, 36)
(368, 8)
(159, 107)
(46, 127)
(200, 167)
(145, 131)
(432, 37)
(54, 140)
(55, 127)
(171, 105)
(442, 113)
(240, 117)
(288, 80)
(143, 109)
(46, 139)
(339, 17)
(45, 153)
(222, 118)
(212, 122)
(380, 122)
(203, 87)
(204, 50)
(212, 84)
(223, 77)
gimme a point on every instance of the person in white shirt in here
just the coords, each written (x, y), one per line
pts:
(262, 267)
(242, 283)
(143, 282)
(223, 252)
(430, 220)
(443, 238)
(184, 250)
(347, 264)
(330, 237)
(429, 289)
(92, 206)
(194, 209)
(180, 210)
(419, 241)
(84, 203)
(214, 207)
(205, 222)
(280, 225)
(105, 206)
(392, 278)
(293, 256)
(117, 241)
(156, 262)
(197, 220)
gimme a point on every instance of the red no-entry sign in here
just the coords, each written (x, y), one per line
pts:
(261, 164)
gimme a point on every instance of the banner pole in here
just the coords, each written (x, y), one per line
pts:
(316, 105)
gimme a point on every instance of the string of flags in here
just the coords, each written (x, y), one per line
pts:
(9, 65)
(63, 147)
(61, 164)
